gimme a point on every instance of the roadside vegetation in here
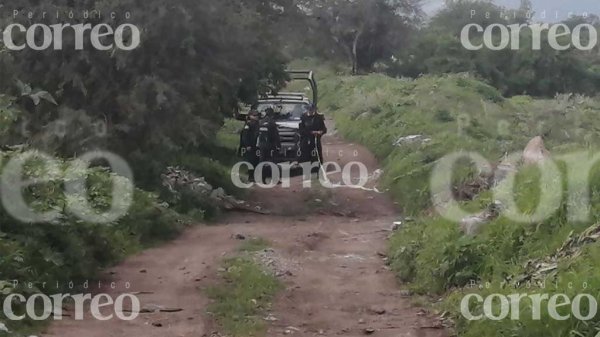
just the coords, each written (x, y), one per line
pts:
(69, 249)
(432, 255)
(439, 98)
(159, 107)
(430, 97)
(241, 301)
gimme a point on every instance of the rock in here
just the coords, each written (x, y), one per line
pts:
(284, 273)
(376, 175)
(471, 225)
(156, 324)
(180, 182)
(535, 151)
(270, 318)
(397, 225)
(369, 331)
(143, 271)
(411, 140)
(290, 330)
(239, 237)
(377, 310)
(406, 293)
(363, 115)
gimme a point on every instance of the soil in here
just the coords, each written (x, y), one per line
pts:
(330, 244)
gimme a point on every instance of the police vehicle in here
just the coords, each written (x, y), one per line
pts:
(289, 108)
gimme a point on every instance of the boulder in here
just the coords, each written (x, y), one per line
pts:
(535, 152)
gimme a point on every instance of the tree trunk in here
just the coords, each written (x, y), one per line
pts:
(355, 51)
(346, 48)
(348, 51)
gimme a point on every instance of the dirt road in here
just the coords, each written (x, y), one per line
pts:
(337, 283)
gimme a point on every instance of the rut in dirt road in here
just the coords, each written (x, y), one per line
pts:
(337, 283)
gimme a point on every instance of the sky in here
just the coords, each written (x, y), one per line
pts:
(550, 6)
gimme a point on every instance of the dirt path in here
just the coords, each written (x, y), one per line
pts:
(338, 284)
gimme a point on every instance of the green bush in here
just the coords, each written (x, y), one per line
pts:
(72, 250)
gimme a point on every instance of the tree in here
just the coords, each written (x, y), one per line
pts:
(437, 49)
(197, 60)
(365, 30)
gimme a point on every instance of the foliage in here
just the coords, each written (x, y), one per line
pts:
(431, 255)
(166, 98)
(457, 112)
(437, 49)
(72, 250)
(497, 256)
(241, 301)
(363, 32)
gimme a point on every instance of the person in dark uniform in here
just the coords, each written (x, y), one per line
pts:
(249, 141)
(269, 142)
(312, 128)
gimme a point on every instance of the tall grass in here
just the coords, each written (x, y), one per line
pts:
(458, 112)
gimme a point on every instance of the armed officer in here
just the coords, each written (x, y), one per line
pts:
(269, 142)
(249, 141)
(312, 128)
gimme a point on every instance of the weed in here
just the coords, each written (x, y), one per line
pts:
(458, 112)
(241, 301)
(254, 245)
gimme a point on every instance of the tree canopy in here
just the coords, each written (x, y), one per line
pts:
(436, 49)
(196, 61)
